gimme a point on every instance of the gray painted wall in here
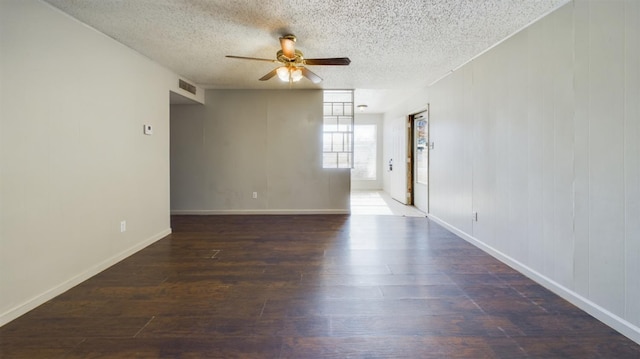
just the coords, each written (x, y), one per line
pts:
(541, 136)
(73, 155)
(240, 142)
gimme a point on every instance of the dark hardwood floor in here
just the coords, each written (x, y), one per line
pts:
(310, 287)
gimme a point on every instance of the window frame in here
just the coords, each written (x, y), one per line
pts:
(338, 122)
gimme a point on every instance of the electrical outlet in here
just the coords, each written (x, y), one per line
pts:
(255, 195)
(123, 226)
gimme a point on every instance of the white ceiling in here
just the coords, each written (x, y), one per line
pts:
(394, 46)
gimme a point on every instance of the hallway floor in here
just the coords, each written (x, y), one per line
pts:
(310, 286)
(380, 203)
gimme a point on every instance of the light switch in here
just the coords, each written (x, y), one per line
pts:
(148, 130)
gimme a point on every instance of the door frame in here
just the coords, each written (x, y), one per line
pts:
(409, 159)
(412, 156)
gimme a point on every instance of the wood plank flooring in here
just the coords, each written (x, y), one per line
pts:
(310, 287)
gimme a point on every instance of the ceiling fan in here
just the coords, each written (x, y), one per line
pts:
(293, 63)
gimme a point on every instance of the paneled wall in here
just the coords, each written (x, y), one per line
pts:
(541, 137)
(240, 142)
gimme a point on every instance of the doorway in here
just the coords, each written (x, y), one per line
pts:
(418, 160)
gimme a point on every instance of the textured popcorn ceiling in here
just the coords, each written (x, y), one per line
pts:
(392, 45)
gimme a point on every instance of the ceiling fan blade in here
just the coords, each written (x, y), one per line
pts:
(310, 75)
(329, 61)
(287, 43)
(269, 75)
(250, 58)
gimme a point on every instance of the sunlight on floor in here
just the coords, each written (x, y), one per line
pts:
(365, 202)
(380, 203)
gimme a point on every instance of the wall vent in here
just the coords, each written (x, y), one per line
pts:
(187, 86)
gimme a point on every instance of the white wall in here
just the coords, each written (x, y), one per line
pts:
(74, 161)
(541, 136)
(395, 144)
(371, 119)
(394, 158)
(242, 142)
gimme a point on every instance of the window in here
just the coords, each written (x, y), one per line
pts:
(337, 141)
(365, 153)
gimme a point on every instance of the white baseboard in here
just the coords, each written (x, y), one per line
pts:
(42, 298)
(258, 211)
(626, 328)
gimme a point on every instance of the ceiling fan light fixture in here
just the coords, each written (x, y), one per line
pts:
(283, 73)
(296, 75)
(289, 73)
